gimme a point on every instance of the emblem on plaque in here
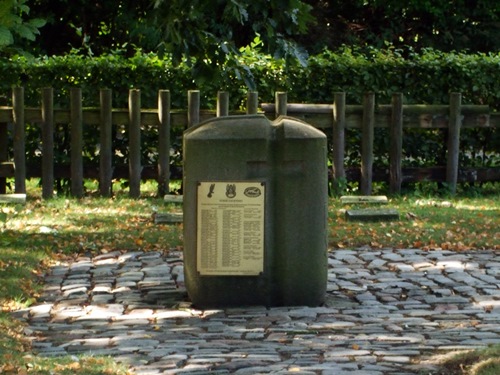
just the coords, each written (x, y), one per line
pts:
(211, 191)
(230, 190)
(252, 192)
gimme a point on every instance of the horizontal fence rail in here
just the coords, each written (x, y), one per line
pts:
(337, 117)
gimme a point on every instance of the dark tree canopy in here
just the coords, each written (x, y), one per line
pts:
(445, 25)
(182, 27)
(212, 30)
(94, 27)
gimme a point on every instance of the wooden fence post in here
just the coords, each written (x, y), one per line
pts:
(453, 141)
(19, 140)
(338, 143)
(222, 104)
(396, 144)
(76, 142)
(105, 152)
(164, 142)
(281, 99)
(252, 102)
(4, 148)
(134, 138)
(367, 137)
(193, 116)
(47, 142)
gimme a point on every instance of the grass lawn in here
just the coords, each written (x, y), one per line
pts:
(455, 224)
(474, 362)
(37, 235)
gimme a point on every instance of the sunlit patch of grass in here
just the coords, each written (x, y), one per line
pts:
(22, 363)
(456, 224)
(475, 362)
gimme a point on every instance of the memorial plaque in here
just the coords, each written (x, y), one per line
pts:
(230, 228)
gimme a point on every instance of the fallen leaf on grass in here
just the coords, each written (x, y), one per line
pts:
(411, 215)
(71, 366)
(417, 244)
(6, 369)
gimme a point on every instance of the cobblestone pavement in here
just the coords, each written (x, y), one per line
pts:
(387, 312)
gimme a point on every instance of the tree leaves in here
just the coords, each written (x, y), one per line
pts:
(6, 37)
(201, 31)
(12, 22)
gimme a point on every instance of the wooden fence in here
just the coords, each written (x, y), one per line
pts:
(336, 116)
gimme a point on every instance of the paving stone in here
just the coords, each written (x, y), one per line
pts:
(384, 309)
(346, 353)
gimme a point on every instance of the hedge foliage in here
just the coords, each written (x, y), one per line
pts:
(423, 78)
(426, 77)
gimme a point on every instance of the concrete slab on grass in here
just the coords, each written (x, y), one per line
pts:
(168, 218)
(363, 199)
(171, 198)
(13, 198)
(372, 215)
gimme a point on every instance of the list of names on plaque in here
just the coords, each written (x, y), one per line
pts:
(230, 228)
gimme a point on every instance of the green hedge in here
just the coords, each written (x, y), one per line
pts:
(424, 78)
(427, 77)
